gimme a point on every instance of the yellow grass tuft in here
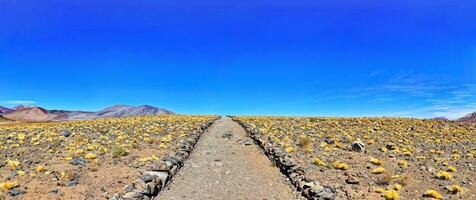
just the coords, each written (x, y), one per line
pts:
(40, 168)
(319, 162)
(376, 161)
(341, 166)
(8, 185)
(433, 194)
(455, 189)
(452, 169)
(391, 195)
(378, 170)
(443, 175)
(13, 164)
(90, 156)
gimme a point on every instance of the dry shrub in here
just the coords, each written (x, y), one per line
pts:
(306, 143)
(384, 180)
(119, 152)
(404, 180)
(313, 119)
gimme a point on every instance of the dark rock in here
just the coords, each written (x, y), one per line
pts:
(185, 146)
(172, 160)
(352, 180)
(65, 133)
(228, 135)
(181, 156)
(73, 182)
(78, 161)
(55, 191)
(147, 178)
(391, 146)
(326, 194)
(358, 146)
(329, 141)
(289, 162)
(16, 192)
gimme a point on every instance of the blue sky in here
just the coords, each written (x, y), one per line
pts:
(413, 58)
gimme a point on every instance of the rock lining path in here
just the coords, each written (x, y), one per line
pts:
(226, 164)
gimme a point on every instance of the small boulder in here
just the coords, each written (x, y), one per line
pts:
(358, 146)
(391, 146)
(78, 161)
(329, 141)
(352, 180)
(16, 192)
(65, 133)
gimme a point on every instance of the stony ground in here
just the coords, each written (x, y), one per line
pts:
(91, 159)
(226, 164)
(378, 158)
(358, 158)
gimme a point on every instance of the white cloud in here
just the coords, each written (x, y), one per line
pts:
(432, 95)
(17, 102)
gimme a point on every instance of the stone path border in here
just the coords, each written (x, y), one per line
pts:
(159, 174)
(311, 189)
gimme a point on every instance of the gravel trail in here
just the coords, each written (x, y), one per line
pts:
(226, 164)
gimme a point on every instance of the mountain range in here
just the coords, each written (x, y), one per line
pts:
(4, 110)
(39, 114)
(471, 118)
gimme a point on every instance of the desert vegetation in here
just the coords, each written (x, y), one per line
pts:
(85, 159)
(378, 158)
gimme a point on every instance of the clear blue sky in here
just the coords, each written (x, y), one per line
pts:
(413, 58)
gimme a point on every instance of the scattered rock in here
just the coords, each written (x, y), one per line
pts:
(228, 135)
(326, 194)
(289, 162)
(352, 180)
(55, 191)
(248, 142)
(391, 146)
(358, 146)
(329, 141)
(16, 192)
(133, 196)
(65, 133)
(115, 197)
(147, 177)
(163, 176)
(172, 160)
(129, 188)
(78, 161)
(73, 182)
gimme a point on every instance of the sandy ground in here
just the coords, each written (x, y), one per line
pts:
(225, 164)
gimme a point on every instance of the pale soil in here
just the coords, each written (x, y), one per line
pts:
(227, 168)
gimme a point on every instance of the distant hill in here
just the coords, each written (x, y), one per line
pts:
(470, 118)
(441, 119)
(29, 114)
(127, 111)
(4, 110)
(38, 114)
(3, 119)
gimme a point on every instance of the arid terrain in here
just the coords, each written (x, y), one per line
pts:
(87, 159)
(378, 158)
(313, 158)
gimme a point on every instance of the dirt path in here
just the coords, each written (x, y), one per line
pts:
(226, 164)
